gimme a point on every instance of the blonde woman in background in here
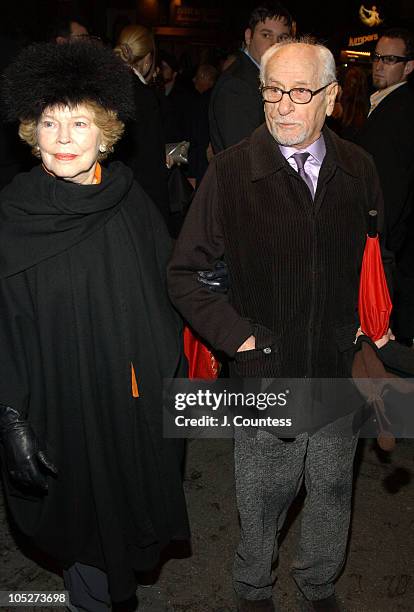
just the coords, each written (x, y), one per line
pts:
(143, 146)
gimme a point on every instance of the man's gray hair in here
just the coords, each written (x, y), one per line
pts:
(328, 67)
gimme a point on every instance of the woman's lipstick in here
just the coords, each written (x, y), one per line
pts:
(65, 156)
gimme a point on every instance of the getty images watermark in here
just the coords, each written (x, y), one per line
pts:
(284, 407)
(226, 403)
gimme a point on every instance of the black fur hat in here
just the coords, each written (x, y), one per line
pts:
(46, 74)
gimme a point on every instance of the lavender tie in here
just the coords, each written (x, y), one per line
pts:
(300, 159)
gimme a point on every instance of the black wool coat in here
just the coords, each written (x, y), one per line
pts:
(294, 263)
(82, 298)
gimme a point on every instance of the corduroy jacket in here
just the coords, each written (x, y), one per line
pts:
(294, 262)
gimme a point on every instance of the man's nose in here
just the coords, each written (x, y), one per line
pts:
(285, 105)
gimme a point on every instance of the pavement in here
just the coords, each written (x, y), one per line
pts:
(379, 571)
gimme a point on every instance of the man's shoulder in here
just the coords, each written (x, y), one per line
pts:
(404, 93)
(352, 157)
(233, 153)
(398, 103)
(241, 72)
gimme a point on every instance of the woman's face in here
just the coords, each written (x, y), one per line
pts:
(69, 141)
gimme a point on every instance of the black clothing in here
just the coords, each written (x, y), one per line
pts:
(236, 106)
(175, 110)
(15, 155)
(82, 300)
(142, 147)
(388, 135)
(199, 137)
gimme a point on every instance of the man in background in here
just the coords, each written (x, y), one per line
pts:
(236, 107)
(67, 29)
(388, 134)
(204, 80)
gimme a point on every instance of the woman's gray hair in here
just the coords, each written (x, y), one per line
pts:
(328, 66)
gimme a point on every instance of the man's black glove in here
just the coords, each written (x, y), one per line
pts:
(24, 459)
(216, 280)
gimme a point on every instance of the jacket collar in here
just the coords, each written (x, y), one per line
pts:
(266, 158)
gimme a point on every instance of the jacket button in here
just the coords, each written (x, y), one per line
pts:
(267, 350)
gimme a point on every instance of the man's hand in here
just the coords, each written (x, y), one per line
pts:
(248, 345)
(25, 461)
(383, 341)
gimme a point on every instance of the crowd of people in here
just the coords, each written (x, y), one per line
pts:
(142, 180)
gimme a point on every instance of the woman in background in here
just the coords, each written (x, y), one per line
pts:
(143, 146)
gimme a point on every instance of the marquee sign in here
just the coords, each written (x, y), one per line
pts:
(357, 41)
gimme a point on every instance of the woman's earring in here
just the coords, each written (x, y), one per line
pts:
(102, 148)
(37, 148)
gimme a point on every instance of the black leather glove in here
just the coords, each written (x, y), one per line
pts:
(24, 459)
(216, 280)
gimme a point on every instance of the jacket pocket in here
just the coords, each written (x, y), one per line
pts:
(264, 360)
(345, 336)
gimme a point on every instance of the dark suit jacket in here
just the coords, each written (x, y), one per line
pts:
(388, 135)
(236, 106)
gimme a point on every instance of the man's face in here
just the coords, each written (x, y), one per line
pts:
(77, 30)
(265, 34)
(385, 75)
(203, 81)
(167, 73)
(297, 125)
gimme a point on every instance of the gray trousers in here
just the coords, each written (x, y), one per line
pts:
(88, 588)
(269, 473)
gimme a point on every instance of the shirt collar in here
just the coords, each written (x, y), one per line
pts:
(317, 149)
(245, 51)
(139, 75)
(380, 94)
(266, 157)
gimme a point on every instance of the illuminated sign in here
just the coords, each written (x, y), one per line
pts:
(369, 17)
(356, 41)
(192, 14)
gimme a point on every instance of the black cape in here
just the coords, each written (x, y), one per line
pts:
(82, 297)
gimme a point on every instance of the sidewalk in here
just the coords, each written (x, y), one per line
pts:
(378, 576)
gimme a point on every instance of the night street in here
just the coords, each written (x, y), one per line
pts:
(378, 576)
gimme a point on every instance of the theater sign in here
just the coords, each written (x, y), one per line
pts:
(367, 22)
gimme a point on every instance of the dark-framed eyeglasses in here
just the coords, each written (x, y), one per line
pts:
(388, 59)
(298, 95)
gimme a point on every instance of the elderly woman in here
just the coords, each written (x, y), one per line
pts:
(87, 333)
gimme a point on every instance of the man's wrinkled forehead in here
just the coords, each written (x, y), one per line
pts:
(298, 64)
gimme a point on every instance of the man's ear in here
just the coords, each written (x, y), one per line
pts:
(332, 92)
(248, 37)
(408, 68)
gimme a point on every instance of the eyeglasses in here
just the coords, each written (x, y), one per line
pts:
(388, 59)
(298, 95)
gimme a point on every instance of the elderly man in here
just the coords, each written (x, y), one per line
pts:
(236, 107)
(287, 208)
(388, 135)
